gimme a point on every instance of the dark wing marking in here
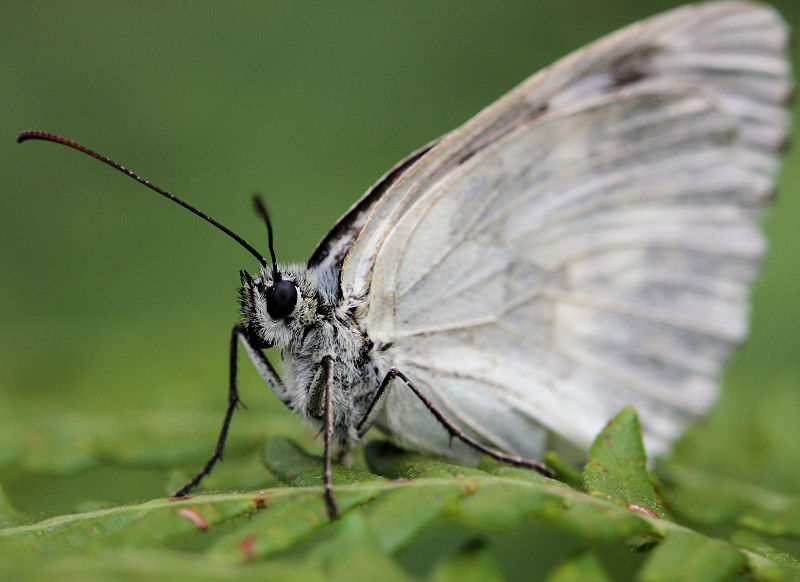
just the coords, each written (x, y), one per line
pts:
(331, 250)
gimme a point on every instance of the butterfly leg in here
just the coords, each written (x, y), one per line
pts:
(265, 370)
(327, 436)
(451, 428)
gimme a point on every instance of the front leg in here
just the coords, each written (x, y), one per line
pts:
(265, 370)
(261, 364)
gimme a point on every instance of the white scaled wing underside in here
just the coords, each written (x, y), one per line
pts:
(585, 243)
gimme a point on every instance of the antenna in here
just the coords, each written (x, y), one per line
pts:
(47, 136)
(261, 209)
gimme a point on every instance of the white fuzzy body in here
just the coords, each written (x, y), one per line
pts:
(320, 326)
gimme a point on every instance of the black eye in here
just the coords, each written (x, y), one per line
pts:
(281, 299)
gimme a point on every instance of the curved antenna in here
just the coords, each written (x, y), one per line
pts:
(47, 136)
(261, 209)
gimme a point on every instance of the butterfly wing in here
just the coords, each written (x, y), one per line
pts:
(584, 243)
(332, 249)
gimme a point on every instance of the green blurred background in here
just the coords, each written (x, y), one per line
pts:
(117, 305)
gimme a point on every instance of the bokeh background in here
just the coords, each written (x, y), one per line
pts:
(116, 305)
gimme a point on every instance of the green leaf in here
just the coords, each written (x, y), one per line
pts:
(496, 504)
(686, 556)
(351, 553)
(473, 562)
(582, 567)
(9, 515)
(153, 565)
(750, 541)
(286, 520)
(295, 467)
(772, 524)
(564, 471)
(714, 499)
(380, 517)
(616, 468)
(148, 524)
(495, 467)
(387, 459)
(400, 513)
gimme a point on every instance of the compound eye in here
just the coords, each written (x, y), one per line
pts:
(281, 299)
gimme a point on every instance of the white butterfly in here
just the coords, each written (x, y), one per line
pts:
(586, 242)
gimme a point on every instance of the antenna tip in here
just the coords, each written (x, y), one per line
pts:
(39, 134)
(261, 208)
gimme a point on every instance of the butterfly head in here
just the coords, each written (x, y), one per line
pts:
(279, 309)
(271, 301)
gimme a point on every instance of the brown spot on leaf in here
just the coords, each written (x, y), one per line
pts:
(643, 510)
(194, 516)
(246, 547)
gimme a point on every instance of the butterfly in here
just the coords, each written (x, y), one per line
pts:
(585, 243)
